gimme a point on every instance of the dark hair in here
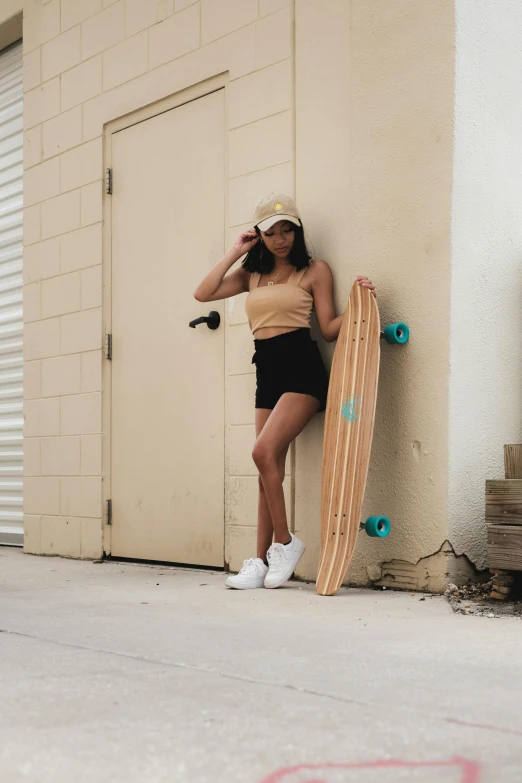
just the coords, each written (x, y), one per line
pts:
(260, 259)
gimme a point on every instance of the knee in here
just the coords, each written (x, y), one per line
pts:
(263, 456)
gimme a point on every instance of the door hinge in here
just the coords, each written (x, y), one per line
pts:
(108, 346)
(108, 181)
(108, 512)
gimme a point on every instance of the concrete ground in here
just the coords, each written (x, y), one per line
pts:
(136, 673)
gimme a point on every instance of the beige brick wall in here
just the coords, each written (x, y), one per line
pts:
(88, 62)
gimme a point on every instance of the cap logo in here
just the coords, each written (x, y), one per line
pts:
(278, 206)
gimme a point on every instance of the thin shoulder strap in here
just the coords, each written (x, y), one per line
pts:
(299, 275)
(295, 276)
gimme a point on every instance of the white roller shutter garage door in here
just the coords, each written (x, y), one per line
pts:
(11, 316)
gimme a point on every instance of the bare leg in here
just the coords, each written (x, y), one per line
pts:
(290, 416)
(265, 530)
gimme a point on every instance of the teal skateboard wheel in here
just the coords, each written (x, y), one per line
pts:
(377, 527)
(396, 334)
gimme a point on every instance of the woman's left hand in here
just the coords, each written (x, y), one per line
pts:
(366, 283)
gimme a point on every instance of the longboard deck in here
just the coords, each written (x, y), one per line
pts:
(348, 432)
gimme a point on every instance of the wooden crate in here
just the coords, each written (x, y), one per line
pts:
(504, 502)
(505, 547)
(513, 460)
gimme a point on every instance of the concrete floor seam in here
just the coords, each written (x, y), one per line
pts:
(266, 683)
(191, 667)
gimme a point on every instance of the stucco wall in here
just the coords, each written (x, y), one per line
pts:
(486, 305)
(374, 118)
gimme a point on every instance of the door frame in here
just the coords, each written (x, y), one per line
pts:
(188, 95)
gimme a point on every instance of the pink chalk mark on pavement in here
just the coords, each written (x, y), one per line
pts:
(485, 726)
(470, 769)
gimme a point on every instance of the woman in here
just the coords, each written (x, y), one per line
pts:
(284, 285)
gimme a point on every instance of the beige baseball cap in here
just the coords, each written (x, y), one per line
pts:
(273, 208)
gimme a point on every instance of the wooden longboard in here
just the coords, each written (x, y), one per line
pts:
(348, 432)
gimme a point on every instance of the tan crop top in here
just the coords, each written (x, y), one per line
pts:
(280, 305)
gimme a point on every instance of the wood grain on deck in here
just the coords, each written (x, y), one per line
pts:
(347, 444)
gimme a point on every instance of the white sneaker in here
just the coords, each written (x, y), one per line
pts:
(282, 560)
(252, 574)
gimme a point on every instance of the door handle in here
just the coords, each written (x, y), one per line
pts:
(212, 320)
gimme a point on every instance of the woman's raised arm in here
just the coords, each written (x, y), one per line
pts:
(217, 284)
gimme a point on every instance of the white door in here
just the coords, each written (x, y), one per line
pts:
(167, 399)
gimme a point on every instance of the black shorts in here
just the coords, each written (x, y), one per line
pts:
(290, 362)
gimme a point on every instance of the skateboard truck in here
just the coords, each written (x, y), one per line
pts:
(379, 527)
(396, 334)
(376, 527)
